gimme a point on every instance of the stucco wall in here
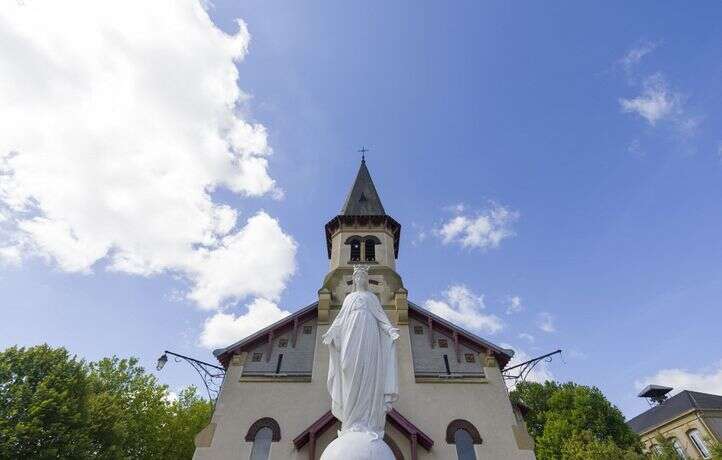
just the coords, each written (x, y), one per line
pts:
(430, 406)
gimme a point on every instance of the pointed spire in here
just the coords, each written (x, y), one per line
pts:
(363, 200)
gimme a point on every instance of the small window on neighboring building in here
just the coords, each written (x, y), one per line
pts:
(470, 357)
(678, 449)
(370, 250)
(355, 250)
(418, 330)
(257, 357)
(307, 329)
(443, 343)
(698, 442)
(282, 343)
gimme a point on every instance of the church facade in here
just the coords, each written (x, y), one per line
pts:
(453, 403)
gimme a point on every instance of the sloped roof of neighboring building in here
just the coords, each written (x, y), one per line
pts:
(224, 355)
(362, 199)
(682, 402)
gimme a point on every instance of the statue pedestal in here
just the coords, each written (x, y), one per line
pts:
(357, 446)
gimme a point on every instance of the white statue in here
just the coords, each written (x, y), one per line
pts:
(362, 374)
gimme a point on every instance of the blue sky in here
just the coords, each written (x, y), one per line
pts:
(594, 127)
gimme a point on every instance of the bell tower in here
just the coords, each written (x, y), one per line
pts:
(362, 233)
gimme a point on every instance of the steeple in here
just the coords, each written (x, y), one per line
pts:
(362, 234)
(362, 199)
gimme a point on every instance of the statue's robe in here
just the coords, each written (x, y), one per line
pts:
(362, 375)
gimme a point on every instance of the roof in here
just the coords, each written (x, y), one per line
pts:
(672, 408)
(394, 417)
(503, 355)
(362, 199)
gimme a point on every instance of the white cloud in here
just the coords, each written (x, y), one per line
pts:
(514, 305)
(457, 208)
(635, 55)
(126, 117)
(482, 230)
(706, 381)
(461, 306)
(546, 322)
(223, 329)
(540, 373)
(527, 337)
(656, 102)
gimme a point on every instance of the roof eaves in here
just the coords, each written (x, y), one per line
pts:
(474, 337)
(219, 351)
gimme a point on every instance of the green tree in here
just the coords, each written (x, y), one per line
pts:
(127, 409)
(716, 450)
(189, 414)
(584, 446)
(570, 421)
(53, 405)
(43, 404)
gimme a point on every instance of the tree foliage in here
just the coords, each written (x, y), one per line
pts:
(575, 422)
(53, 405)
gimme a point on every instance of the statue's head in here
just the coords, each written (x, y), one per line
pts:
(361, 277)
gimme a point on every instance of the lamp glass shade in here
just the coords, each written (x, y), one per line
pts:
(161, 361)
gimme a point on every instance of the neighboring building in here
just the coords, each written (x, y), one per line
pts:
(692, 421)
(453, 401)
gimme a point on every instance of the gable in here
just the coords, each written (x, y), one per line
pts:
(291, 326)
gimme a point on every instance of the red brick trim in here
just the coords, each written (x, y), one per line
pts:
(265, 422)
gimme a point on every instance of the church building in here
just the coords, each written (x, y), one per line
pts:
(453, 402)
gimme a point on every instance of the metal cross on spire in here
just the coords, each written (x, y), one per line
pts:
(363, 151)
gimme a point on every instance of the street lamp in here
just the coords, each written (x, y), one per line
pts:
(161, 361)
(211, 375)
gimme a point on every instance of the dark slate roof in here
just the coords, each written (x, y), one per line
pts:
(673, 407)
(363, 200)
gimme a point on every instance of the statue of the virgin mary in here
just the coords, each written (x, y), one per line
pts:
(362, 374)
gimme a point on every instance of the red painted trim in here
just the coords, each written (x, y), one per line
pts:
(402, 424)
(457, 349)
(265, 422)
(269, 347)
(312, 446)
(316, 428)
(260, 337)
(460, 424)
(397, 420)
(430, 324)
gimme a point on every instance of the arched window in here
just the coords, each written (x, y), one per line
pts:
(262, 444)
(355, 250)
(464, 435)
(262, 433)
(696, 437)
(370, 252)
(464, 445)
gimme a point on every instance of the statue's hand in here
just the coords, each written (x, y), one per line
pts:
(394, 334)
